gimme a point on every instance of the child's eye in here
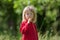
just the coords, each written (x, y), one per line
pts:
(27, 14)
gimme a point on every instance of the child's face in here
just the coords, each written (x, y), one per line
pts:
(29, 15)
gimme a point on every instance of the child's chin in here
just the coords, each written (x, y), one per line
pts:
(26, 19)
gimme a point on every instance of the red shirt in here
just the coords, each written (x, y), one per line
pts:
(29, 31)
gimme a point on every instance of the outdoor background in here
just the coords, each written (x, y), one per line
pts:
(48, 18)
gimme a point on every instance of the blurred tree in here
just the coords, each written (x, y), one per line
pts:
(8, 16)
(48, 15)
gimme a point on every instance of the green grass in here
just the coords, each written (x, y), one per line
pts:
(50, 38)
(44, 37)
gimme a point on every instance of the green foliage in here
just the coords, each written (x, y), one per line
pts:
(11, 15)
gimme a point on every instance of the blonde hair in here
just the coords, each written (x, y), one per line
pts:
(31, 9)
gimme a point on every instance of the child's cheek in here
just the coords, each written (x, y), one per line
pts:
(27, 17)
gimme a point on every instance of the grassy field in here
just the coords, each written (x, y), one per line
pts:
(44, 37)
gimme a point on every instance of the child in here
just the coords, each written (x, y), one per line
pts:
(28, 26)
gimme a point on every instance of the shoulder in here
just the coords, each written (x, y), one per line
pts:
(34, 23)
(23, 22)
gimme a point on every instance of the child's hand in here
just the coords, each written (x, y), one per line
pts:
(29, 20)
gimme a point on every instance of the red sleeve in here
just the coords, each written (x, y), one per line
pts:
(36, 27)
(21, 26)
(36, 31)
(24, 27)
